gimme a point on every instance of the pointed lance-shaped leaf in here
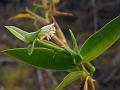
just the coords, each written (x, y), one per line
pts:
(75, 46)
(100, 41)
(43, 58)
(19, 33)
(69, 79)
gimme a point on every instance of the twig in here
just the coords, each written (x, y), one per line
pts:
(108, 4)
(58, 13)
(40, 79)
(109, 77)
(6, 59)
(59, 32)
(44, 3)
(50, 74)
(95, 16)
(115, 65)
(38, 18)
(2, 88)
(57, 41)
(116, 60)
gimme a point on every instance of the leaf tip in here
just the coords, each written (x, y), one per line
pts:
(8, 26)
(3, 51)
(70, 30)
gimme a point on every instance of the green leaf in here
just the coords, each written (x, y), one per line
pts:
(37, 8)
(18, 33)
(43, 58)
(101, 40)
(69, 79)
(75, 46)
(47, 15)
(50, 45)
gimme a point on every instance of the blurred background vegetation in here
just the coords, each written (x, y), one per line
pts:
(88, 17)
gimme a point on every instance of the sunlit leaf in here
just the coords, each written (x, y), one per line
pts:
(19, 33)
(101, 40)
(69, 79)
(75, 46)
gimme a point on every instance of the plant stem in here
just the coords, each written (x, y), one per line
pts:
(37, 17)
